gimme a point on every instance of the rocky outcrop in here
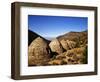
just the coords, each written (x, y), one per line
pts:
(38, 52)
(79, 37)
(73, 56)
(70, 48)
(66, 44)
(55, 46)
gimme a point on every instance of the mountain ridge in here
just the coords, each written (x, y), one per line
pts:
(32, 35)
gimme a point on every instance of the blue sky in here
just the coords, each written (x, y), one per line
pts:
(53, 26)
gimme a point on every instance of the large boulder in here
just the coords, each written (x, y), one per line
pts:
(38, 52)
(55, 46)
(67, 44)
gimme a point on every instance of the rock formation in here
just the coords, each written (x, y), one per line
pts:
(73, 56)
(38, 52)
(79, 37)
(70, 48)
(67, 44)
(55, 46)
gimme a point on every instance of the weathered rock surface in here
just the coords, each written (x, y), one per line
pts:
(38, 52)
(73, 56)
(79, 37)
(55, 62)
(66, 44)
(55, 46)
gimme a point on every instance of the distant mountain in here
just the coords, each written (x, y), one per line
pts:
(32, 35)
(50, 38)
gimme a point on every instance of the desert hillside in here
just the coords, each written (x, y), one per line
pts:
(79, 37)
(70, 48)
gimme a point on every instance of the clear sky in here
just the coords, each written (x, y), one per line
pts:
(53, 26)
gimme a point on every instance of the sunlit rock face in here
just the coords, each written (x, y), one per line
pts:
(67, 44)
(73, 56)
(38, 52)
(55, 46)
